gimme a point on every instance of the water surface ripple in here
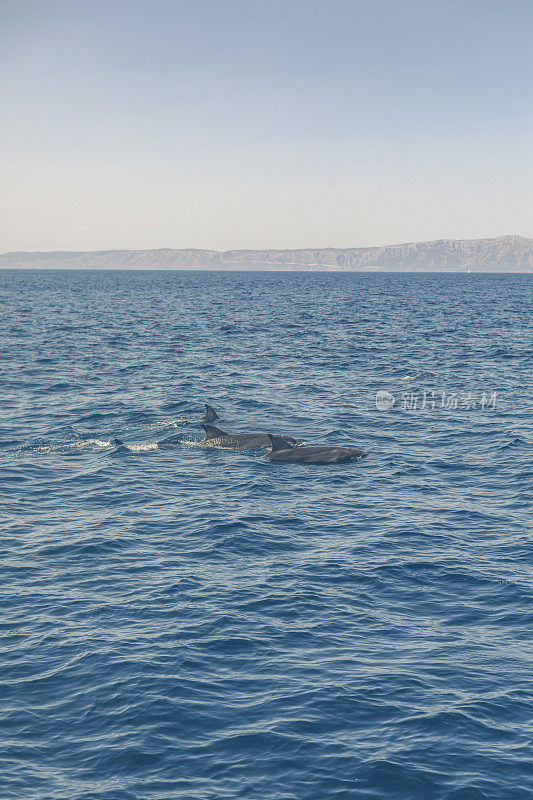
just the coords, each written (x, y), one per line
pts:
(182, 622)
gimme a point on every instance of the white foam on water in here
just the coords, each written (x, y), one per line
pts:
(91, 443)
(423, 374)
(72, 447)
(142, 448)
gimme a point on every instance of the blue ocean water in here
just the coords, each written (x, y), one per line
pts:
(201, 624)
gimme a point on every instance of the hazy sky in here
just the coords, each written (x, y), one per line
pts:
(263, 123)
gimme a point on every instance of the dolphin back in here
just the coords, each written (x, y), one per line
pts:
(278, 443)
(211, 432)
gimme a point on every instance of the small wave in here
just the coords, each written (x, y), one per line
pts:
(517, 441)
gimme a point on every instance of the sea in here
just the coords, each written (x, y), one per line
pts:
(182, 622)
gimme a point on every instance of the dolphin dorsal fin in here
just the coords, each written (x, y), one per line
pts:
(213, 433)
(210, 413)
(278, 443)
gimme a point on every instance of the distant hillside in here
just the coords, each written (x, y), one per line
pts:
(503, 254)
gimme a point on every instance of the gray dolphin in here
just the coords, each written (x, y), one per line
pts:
(216, 438)
(210, 414)
(319, 454)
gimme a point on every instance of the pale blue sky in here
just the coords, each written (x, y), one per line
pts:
(225, 124)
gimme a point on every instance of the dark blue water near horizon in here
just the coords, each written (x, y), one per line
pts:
(194, 623)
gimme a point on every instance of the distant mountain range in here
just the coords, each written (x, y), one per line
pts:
(503, 254)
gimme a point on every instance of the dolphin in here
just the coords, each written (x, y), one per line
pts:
(319, 454)
(214, 437)
(119, 443)
(210, 414)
